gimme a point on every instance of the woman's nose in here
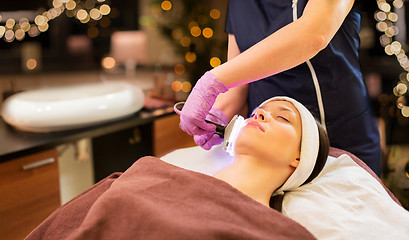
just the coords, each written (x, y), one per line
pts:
(259, 115)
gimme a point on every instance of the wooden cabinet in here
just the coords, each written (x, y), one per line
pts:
(167, 136)
(29, 192)
(117, 151)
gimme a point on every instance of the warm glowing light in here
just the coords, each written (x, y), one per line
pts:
(401, 102)
(401, 88)
(393, 17)
(195, 31)
(31, 64)
(108, 63)
(185, 41)
(391, 31)
(33, 31)
(43, 28)
(95, 14)
(70, 5)
(23, 20)
(2, 31)
(48, 16)
(385, 7)
(166, 5)
(86, 20)
(381, 26)
(388, 50)
(215, 13)
(12, 30)
(176, 86)
(215, 61)
(380, 16)
(82, 14)
(207, 32)
(25, 26)
(186, 87)
(9, 36)
(405, 112)
(396, 47)
(398, 3)
(180, 69)
(57, 3)
(105, 9)
(55, 12)
(40, 20)
(10, 23)
(190, 57)
(385, 40)
(20, 34)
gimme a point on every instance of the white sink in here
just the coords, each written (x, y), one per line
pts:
(64, 108)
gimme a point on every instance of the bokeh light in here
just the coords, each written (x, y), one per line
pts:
(31, 64)
(166, 5)
(176, 86)
(215, 13)
(186, 86)
(190, 57)
(195, 31)
(105, 9)
(215, 61)
(108, 63)
(207, 32)
(185, 41)
(180, 69)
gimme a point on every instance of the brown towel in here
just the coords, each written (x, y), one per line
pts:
(156, 200)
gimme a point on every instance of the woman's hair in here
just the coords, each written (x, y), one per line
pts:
(276, 202)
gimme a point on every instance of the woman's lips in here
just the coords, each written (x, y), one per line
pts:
(255, 124)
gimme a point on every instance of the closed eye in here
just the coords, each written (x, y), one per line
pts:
(284, 118)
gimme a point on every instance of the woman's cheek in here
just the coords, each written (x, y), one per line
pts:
(245, 138)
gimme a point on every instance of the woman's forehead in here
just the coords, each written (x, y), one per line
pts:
(279, 105)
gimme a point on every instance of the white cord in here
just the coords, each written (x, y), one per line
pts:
(313, 75)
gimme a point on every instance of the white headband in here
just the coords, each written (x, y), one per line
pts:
(309, 147)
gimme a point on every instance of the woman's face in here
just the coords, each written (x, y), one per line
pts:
(273, 133)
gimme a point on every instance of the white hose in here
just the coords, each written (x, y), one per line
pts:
(313, 75)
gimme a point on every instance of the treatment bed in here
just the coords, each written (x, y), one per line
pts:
(174, 198)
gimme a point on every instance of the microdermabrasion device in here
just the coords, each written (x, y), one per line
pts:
(229, 132)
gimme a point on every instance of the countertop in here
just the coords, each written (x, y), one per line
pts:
(15, 143)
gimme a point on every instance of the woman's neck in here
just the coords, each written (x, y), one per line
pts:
(254, 179)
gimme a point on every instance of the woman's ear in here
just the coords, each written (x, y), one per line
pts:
(295, 163)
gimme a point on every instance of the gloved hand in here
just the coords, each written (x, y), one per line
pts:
(208, 140)
(198, 105)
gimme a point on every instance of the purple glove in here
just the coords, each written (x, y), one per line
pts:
(208, 140)
(198, 105)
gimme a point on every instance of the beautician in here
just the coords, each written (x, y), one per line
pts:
(307, 50)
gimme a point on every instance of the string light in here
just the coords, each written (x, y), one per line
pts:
(385, 23)
(84, 11)
(191, 26)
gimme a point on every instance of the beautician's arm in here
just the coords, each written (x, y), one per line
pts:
(288, 47)
(232, 101)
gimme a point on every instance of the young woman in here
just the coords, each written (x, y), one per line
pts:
(280, 147)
